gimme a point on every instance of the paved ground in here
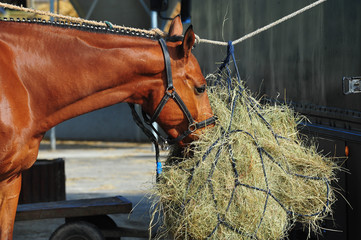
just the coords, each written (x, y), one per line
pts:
(97, 169)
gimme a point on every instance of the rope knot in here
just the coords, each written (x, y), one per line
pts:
(198, 39)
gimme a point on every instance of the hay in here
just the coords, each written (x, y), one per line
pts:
(249, 177)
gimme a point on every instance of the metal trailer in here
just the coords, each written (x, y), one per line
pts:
(338, 134)
(43, 197)
(85, 217)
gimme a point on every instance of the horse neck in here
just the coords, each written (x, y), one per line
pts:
(69, 72)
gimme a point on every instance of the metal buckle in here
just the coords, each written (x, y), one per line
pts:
(351, 85)
(170, 91)
(164, 145)
(192, 127)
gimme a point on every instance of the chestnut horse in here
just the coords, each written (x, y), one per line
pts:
(49, 74)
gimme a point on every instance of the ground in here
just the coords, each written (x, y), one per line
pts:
(98, 169)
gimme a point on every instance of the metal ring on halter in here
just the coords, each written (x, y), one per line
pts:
(170, 91)
(192, 127)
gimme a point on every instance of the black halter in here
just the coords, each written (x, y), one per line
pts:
(170, 92)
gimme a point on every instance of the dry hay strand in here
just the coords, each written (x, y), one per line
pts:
(251, 176)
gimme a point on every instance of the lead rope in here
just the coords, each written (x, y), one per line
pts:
(151, 137)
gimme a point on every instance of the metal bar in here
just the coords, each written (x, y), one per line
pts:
(73, 208)
(153, 19)
(331, 132)
(52, 9)
(52, 139)
(91, 9)
(145, 6)
(52, 131)
(154, 24)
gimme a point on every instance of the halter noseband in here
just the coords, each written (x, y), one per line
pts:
(170, 92)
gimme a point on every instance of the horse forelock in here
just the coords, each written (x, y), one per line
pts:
(94, 28)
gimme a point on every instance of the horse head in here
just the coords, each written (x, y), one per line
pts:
(181, 106)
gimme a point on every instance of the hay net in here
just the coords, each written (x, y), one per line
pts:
(249, 177)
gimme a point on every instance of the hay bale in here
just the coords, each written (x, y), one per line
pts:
(251, 176)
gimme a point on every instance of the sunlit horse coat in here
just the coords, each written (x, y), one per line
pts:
(49, 74)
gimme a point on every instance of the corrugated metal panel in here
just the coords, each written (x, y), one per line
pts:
(303, 59)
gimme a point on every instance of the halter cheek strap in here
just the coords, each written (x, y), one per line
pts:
(170, 92)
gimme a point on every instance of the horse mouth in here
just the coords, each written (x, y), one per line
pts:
(195, 133)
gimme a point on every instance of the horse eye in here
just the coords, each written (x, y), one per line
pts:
(200, 89)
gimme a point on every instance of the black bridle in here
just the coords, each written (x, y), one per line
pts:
(170, 92)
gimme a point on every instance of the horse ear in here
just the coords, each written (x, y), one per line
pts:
(176, 27)
(188, 40)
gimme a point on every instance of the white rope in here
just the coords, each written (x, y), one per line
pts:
(199, 40)
(161, 33)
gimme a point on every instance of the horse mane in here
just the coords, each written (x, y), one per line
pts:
(95, 28)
